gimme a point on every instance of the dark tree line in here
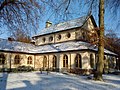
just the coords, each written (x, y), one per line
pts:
(112, 43)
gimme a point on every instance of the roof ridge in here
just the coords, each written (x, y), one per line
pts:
(78, 22)
(71, 20)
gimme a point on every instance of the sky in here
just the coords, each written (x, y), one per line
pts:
(110, 22)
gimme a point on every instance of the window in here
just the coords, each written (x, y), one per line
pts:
(65, 61)
(50, 38)
(17, 59)
(2, 59)
(59, 37)
(54, 61)
(78, 62)
(44, 39)
(68, 35)
(44, 61)
(111, 62)
(83, 35)
(96, 59)
(92, 61)
(29, 60)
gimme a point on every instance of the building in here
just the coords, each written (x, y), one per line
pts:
(58, 47)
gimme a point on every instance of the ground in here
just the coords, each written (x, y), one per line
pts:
(55, 81)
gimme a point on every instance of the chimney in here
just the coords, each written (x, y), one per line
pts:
(48, 24)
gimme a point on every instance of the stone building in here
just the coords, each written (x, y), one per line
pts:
(59, 47)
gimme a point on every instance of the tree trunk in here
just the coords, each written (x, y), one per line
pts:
(101, 42)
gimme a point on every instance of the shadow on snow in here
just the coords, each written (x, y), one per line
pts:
(60, 82)
(3, 81)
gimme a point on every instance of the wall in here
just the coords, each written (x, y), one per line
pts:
(77, 33)
(10, 59)
(39, 40)
(85, 56)
(109, 61)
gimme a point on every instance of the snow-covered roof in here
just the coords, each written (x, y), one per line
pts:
(63, 26)
(105, 51)
(15, 46)
(64, 46)
(68, 46)
(6, 45)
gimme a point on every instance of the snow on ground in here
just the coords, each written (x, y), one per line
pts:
(55, 81)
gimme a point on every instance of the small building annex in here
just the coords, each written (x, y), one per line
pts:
(58, 47)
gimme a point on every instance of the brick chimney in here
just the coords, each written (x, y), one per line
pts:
(48, 24)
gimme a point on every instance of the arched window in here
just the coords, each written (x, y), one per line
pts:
(54, 61)
(44, 61)
(96, 58)
(17, 59)
(92, 63)
(111, 62)
(51, 38)
(78, 61)
(29, 61)
(2, 59)
(83, 35)
(65, 61)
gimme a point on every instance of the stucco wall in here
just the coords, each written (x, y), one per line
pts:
(37, 60)
(39, 40)
(85, 57)
(9, 58)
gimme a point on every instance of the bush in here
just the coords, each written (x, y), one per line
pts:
(19, 69)
(4, 69)
(15, 70)
(29, 68)
(1, 69)
(25, 68)
(54, 69)
(80, 71)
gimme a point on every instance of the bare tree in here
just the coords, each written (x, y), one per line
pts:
(20, 14)
(112, 42)
(65, 8)
(19, 35)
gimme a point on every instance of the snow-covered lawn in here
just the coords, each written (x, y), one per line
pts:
(55, 81)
